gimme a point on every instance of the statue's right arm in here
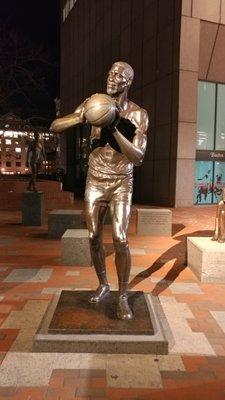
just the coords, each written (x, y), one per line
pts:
(77, 117)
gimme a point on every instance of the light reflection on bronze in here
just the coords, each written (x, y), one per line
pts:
(219, 233)
(110, 181)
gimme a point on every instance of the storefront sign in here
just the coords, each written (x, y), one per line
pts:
(209, 155)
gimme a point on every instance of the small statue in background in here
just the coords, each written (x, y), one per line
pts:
(35, 157)
(219, 233)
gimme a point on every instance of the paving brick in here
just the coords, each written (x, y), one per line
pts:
(159, 268)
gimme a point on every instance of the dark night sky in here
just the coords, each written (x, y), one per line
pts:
(38, 21)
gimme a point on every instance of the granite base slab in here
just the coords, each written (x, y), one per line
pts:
(75, 248)
(72, 324)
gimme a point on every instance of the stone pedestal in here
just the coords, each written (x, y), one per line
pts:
(72, 324)
(206, 258)
(61, 220)
(33, 208)
(75, 248)
(154, 221)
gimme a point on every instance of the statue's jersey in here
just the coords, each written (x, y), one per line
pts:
(35, 152)
(105, 160)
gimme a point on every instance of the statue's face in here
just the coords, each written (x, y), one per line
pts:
(117, 80)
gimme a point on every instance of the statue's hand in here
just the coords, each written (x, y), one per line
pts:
(112, 127)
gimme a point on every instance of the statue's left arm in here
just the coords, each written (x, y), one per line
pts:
(134, 150)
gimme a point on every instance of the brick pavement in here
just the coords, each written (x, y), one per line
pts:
(30, 275)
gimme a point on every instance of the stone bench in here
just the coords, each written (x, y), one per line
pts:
(206, 258)
(75, 248)
(61, 220)
(154, 222)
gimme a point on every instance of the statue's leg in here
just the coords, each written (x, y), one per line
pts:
(95, 214)
(34, 176)
(120, 216)
(31, 185)
(221, 238)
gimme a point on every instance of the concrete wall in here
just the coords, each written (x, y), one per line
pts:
(202, 56)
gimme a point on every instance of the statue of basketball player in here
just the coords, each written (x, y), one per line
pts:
(110, 179)
(35, 156)
(219, 233)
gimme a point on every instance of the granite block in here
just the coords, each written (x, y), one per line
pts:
(61, 220)
(154, 221)
(33, 208)
(75, 248)
(206, 258)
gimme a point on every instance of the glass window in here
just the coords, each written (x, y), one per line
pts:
(8, 141)
(203, 182)
(220, 118)
(206, 115)
(8, 163)
(18, 149)
(219, 180)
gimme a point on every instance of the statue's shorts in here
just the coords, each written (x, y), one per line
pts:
(108, 189)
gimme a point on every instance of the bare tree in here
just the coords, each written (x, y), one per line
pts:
(24, 70)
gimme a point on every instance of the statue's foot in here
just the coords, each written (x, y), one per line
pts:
(100, 293)
(221, 240)
(123, 309)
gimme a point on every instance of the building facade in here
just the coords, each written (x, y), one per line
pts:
(178, 80)
(14, 139)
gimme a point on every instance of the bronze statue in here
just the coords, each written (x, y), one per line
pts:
(110, 179)
(35, 156)
(219, 233)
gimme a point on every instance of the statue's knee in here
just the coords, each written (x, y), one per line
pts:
(95, 239)
(120, 244)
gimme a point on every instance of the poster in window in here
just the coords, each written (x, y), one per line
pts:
(203, 182)
(219, 181)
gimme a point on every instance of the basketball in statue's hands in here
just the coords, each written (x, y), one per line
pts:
(100, 110)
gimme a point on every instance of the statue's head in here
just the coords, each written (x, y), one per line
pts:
(120, 78)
